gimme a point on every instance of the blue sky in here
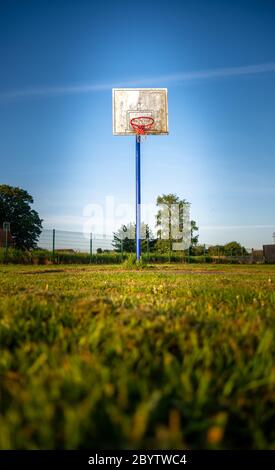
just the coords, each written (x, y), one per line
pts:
(58, 63)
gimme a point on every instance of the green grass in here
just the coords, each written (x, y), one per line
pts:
(161, 357)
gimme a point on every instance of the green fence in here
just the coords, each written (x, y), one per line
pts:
(60, 246)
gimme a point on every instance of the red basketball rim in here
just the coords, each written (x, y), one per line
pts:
(142, 124)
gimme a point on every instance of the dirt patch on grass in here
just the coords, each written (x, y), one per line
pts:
(45, 271)
(189, 271)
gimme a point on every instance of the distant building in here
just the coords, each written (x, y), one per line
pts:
(269, 253)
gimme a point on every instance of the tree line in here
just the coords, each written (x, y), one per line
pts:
(26, 226)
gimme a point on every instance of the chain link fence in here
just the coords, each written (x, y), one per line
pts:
(60, 246)
(78, 242)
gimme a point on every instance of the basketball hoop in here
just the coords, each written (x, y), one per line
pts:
(150, 106)
(142, 124)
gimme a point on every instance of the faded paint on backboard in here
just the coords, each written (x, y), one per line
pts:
(129, 103)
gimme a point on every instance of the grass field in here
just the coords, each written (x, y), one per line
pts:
(163, 357)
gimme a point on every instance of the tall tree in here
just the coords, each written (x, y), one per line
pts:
(194, 238)
(25, 224)
(124, 238)
(170, 220)
(126, 235)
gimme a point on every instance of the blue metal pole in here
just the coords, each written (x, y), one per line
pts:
(138, 241)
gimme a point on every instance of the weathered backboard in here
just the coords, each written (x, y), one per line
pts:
(129, 103)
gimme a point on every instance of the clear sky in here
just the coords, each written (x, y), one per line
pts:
(58, 63)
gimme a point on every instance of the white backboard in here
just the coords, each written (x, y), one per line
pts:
(130, 103)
